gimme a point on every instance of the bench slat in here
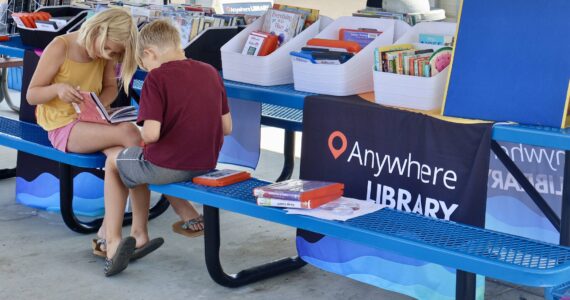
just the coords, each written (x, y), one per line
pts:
(499, 255)
(31, 138)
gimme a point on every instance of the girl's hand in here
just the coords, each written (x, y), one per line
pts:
(69, 94)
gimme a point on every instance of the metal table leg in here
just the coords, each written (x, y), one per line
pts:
(7, 173)
(465, 285)
(66, 205)
(5, 93)
(215, 269)
(288, 155)
(565, 217)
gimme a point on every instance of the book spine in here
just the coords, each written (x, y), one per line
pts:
(283, 203)
(276, 195)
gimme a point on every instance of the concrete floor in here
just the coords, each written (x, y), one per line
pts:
(41, 259)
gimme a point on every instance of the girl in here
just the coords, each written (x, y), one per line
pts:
(85, 61)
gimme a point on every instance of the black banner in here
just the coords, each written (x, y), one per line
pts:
(400, 159)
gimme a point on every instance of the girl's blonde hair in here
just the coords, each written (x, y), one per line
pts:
(118, 26)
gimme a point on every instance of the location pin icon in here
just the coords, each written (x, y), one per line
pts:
(337, 152)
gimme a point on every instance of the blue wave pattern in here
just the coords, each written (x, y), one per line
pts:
(510, 215)
(43, 193)
(383, 269)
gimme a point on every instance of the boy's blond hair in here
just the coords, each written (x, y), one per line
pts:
(118, 26)
(161, 34)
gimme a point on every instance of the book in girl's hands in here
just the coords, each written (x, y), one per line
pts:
(308, 204)
(298, 189)
(221, 177)
(93, 110)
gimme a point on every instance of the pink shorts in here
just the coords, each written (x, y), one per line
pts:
(58, 137)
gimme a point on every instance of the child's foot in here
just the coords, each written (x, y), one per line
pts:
(191, 228)
(119, 256)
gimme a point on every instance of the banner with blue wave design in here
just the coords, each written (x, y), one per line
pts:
(402, 160)
(509, 208)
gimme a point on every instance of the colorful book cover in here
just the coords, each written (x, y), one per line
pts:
(221, 177)
(308, 204)
(383, 51)
(297, 189)
(311, 15)
(281, 23)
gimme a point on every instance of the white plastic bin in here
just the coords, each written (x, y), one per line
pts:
(355, 75)
(423, 93)
(273, 69)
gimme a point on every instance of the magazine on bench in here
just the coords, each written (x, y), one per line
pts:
(93, 110)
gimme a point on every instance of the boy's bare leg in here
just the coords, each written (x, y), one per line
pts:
(185, 211)
(140, 204)
(115, 202)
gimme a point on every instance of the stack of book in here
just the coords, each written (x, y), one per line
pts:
(297, 193)
(405, 59)
(280, 25)
(330, 51)
(410, 18)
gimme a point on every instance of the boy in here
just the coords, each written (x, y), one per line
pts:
(185, 115)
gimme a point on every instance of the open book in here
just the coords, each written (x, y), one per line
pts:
(92, 110)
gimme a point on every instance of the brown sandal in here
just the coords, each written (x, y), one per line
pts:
(185, 228)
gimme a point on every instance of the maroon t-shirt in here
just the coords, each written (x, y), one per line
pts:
(188, 98)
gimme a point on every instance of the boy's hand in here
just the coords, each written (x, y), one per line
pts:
(69, 94)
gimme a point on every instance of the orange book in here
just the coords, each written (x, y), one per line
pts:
(349, 46)
(308, 204)
(298, 189)
(221, 177)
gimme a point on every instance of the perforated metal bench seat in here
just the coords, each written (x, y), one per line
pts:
(498, 255)
(32, 139)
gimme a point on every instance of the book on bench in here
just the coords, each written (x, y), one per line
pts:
(93, 110)
(304, 204)
(298, 190)
(221, 177)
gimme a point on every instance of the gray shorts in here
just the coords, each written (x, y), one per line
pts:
(135, 170)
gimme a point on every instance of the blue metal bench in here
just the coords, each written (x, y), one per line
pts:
(503, 256)
(32, 139)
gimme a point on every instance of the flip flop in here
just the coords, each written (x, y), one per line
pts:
(121, 259)
(147, 248)
(141, 252)
(185, 228)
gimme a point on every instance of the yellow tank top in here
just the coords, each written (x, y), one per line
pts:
(88, 76)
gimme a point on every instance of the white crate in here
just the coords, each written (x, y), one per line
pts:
(273, 69)
(423, 93)
(355, 75)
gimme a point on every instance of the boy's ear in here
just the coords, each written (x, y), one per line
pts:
(150, 53)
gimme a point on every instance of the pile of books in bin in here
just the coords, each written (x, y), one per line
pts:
(297, 193)
(281, 24)
(336, 51)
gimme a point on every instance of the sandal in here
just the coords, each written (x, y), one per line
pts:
(99, 245)
(185, 228)
(120, 261)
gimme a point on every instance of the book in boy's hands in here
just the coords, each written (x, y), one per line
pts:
(93, 110)
(298, 189)
(304, 204)
(221, 177)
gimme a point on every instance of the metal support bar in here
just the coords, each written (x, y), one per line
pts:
(212, 252)
(288, 155)
(565, 216)
(526, 185)
(465, 285)
(5, 93)
(7, 173)
(66, 205)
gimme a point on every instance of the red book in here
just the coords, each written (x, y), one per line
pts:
(92, 110)
(298, 190)
(221, 178)
(308, 204)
